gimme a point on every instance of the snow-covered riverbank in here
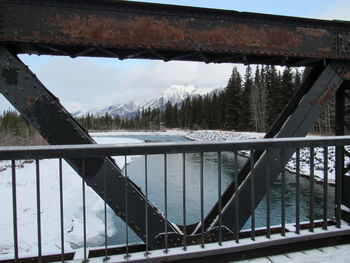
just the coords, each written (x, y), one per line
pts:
(50, 210)
(73, 228)
(220, 136)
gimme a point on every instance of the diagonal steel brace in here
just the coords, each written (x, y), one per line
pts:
(271, 162)
(45, 113)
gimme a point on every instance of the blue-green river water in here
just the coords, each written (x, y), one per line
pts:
(174, 169)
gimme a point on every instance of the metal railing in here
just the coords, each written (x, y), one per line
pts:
(227, 241)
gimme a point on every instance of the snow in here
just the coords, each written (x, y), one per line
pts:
(174, 132)
(73, 227)
(173, 94)
(50, 211)
(178, 93)
(220, 136)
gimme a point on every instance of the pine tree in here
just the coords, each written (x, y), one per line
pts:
(233, 101)
(245, 119)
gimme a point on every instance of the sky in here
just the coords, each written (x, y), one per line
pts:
(87, 83)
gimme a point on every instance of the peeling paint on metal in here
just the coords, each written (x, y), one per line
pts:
(327, 96)
(31, 100)
(313, 32)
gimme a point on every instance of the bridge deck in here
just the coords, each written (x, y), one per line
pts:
(340, 253)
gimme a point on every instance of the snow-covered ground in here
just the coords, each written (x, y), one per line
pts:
(73, 228)
(220, 136)
(50, 210)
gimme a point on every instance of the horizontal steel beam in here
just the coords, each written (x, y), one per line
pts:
(98, 150)
(126, 29)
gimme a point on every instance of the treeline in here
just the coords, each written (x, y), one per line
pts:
(249, 103)
(14, 130)
(147, 119)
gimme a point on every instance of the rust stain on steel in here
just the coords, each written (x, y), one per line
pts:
(346, 75)
(327, 96)
(313, 32)
(242, 35)
(144, 31)
(118, 31)
(31, 100)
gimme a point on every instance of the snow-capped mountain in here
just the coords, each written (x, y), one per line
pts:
(127, 109)
(176, 94)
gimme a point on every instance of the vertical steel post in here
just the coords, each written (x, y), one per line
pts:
(297, 192)
(14, 210)
(61, 208)
(184, 200)
(38, 210)
(219, 198)
(339, 151)
(252, 193)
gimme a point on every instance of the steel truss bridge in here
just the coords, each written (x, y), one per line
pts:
(125, 30)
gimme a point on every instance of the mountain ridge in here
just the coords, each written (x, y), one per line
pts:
(175, 94)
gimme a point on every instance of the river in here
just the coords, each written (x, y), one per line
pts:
(174, 162)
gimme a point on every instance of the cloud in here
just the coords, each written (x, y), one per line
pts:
(85, 83)
(337, 10)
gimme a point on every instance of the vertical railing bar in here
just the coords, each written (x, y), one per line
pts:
(338, 182)
(38, 208)
(312, 188)
(252, 194)
(297, 190)
(146, 205)
(126, 207)
(14, 210)
(202, 199)
(61, 208)
(283, 197)
(268, 197)
(166, 203)
(325, 188)
(219, 198)
(184, 200)
(106, 258)
(84, 207)
(237, 198)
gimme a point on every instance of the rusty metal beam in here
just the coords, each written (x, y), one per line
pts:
(123, 26)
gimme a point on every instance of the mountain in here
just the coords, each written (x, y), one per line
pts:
(174, 94)
(127, 109)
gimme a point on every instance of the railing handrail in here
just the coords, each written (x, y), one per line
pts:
(98, 150)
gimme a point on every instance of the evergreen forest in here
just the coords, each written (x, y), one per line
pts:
(248, 103)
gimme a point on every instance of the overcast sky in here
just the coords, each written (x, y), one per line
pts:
(85, 83)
